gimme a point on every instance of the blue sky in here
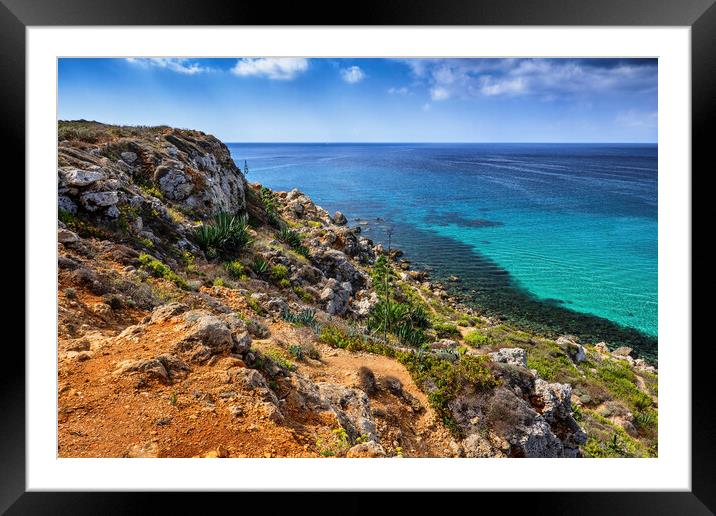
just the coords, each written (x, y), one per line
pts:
(371, 100)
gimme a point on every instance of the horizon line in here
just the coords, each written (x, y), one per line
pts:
(443, 142)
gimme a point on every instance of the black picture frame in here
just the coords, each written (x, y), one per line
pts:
(700, 15)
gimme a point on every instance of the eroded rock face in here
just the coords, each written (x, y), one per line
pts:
(352, 409)
(119, 180)
(335, 264)
(174, 182)
(557, 411)
(336, 296)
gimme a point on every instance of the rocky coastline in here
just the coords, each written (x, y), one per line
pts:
(203, 315)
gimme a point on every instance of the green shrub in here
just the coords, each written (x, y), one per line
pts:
(607, 439)
(151, 189)
(310, 351)
(277, 358)
(269, 201)
(304, 295)
(218, 282)
(621, 381)
(161, 270)
(225, 234)
(338, 337)
(447, 379)
(82, 227)
(383, 276)
(446, 330)
(336, 444)
(476, 339)
(279, 272)
(254, 305)
(302, 251)
(550, 362)
(235, 269)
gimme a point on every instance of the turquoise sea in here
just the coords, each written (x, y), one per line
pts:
(557, 236)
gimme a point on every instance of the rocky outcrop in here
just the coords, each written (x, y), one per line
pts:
(570, 345)
(352, 410)
(514, 356)
(524, 417)
(165, 368)
(336, 295)
(137, 182)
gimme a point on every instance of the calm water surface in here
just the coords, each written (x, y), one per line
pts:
(559, 234)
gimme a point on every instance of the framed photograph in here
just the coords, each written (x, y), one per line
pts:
(443, 248)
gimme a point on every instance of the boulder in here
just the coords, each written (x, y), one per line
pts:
(335, 264)
(163, 368)
(149, 450)
(166, 312)
(297, 208)
(92, 201)
(571, 346)
(82, 178)
(514, 356)
(339, 219)
(336, 296)
(444, 344)
(128, 157)
(369, 449)
(352, 410)
(601, 347)
(207, 330)
(65, 236)
(277, 304)
(624, 352)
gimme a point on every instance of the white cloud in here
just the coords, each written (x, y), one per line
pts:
(502, 87)
(179, 65)
(352, 74)
(398, 91)
(543, 78)
(439, 93)
(277, 68)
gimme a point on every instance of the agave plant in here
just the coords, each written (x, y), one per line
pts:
(407, 322)
(260, 266)
(225, 233)
(306, 317)
(289, 237)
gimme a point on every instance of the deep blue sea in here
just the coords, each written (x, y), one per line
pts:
(557, 234)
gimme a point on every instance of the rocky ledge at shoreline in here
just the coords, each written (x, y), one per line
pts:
(202, 315)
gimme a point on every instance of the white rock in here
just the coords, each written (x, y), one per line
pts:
(514, 356)
(82, 178)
